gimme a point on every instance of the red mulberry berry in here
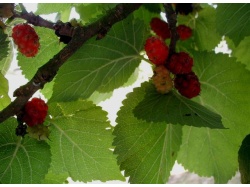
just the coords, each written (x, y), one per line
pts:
(26, 39)
(184, 32)
(187, 85)
(184, 8)
(35, 112)
(156, 50)
(180, 63)
(160, 28)
(162, 80)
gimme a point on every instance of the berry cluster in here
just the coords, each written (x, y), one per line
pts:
(26, 39)
(179, 64)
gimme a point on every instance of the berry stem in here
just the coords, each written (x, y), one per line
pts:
(48, 71)
(172, 20)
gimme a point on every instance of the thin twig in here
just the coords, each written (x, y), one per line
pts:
(172, 20)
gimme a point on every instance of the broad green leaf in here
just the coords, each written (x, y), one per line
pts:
(91, 11)
(52, 178)
(81, 140)
(233, 20)
(146, 150)
(244, 160)
(23, 160)
(48, 8)
(49, 46)
(6, 62)
(225, 90)
(147, 11)
(205, 36)
(102, 65)
(153, 7)
(98, 97)
(175, 109)
(4, 44)
(242, 52)
(48, 90)
(4, 88)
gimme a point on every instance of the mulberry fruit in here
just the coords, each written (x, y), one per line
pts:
(162, 80)
(26, 39)
(156, 50)
(180, 63)
(35, 112)
(184, 32)
(160, 28)
(188, 85)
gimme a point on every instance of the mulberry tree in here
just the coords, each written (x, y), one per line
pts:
(193, 109)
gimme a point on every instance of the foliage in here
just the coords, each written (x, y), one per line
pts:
(153, 130)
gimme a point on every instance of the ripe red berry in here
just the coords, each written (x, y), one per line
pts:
(160, 28)
(180, 63)
(184, 32)
(156, 50)
(35, 112)
(26, 39)
(188, 85)
(162, 80)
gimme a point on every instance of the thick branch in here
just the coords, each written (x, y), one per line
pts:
(172, 20)
(47, 72)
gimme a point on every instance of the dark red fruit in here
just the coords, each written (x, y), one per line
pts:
(156, 50)
(188, 85)
(160, 28)
(183, 8)
(184, 32)
(180, 63)
(35, 112)
(26, 39)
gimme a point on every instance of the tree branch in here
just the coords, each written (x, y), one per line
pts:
(48, 71)
(172, 20)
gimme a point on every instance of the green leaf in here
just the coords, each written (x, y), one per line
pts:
(225, 90)
(81, 140)
(233, 20)
(175, 109)
(244, 160)
(23, 161)
(4, 88)
(49, 8)
(6, 62)
(98, 97)
(242, 52)
(146, 151)
(52, 178)
(48, 90)
(147, 11)
(204, 27)
(4, 45)
(205, 34)
(102, 65)
(90, 11)
(49, 46)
